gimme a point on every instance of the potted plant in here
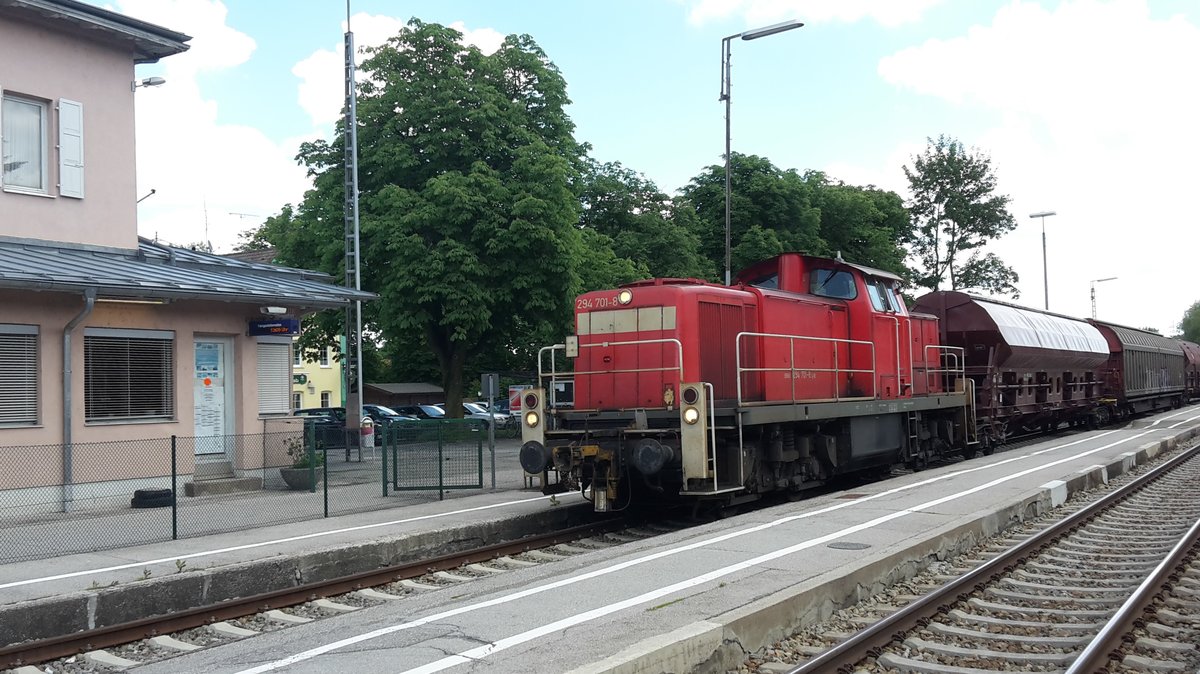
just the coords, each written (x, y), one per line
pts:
(305, 472)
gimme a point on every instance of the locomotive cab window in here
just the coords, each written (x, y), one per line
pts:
(833, 283)
(767, 281)
(883, 296)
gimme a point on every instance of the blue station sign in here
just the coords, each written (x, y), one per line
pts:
(279, 326)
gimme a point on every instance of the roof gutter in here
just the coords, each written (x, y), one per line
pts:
(68, 479)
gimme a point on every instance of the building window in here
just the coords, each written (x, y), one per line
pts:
(297, 357)
(325, 398)
(324, 356)
(274, 378)
(297, 401)
(19, 385)
(128, 374)
(23, 130)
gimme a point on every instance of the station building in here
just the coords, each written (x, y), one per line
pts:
(106, 337)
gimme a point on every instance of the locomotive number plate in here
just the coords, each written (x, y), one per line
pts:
(596, 302)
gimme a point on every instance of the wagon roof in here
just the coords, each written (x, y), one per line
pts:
(1024, 327)
(1141, 340)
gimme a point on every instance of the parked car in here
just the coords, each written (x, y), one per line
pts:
(422, 411)
(477, 411)
(329, 422)
(502, 419)
(381, 414)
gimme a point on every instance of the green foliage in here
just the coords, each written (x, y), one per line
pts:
(1189, 327)
(774, 211)
(301, 457)
(468, 215)
(638, 224)
(957, 212)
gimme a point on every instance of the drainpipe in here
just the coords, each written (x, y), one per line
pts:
(89, 302)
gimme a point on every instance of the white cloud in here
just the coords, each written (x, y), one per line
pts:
(1096, 120)
(203, 170)
(886, 12)
(322, 74)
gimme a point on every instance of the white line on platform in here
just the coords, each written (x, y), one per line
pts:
(249, 546)
(483, 651)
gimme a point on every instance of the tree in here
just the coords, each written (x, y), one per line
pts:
(957, 211)
(760, 194)
(807, 212)
(468, 215)
(1189, 327)
(638, 220)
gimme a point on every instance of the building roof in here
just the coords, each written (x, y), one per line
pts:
(264, 255)
(158, 271)
(148, 42)
(406, 388)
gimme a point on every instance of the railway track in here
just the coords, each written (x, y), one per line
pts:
(139, 642)
(1114, 586)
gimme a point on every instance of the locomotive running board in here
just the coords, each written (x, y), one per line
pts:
(804, 411)
(710, 492)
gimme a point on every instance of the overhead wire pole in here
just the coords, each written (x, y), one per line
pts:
(353, 322)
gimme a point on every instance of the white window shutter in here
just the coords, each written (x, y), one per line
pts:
(70, 148)
(274, 378)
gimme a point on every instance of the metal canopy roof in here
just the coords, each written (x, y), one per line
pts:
(157, 271)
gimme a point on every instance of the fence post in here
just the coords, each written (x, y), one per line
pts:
(387, 435)
(311, 431)
(479, 456)
(441, 476)
(325, 475)
(174, 491)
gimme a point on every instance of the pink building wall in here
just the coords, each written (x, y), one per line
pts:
(32, 455)
(45, 64)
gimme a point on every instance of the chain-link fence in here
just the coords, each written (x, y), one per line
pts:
(119, 494)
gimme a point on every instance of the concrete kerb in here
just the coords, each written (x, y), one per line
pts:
(722, 643)
(102, 607)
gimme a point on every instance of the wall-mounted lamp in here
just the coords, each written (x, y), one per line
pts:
(147, 82)
(273, 311)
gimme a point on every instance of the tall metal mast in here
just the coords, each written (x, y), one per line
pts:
(352, 360)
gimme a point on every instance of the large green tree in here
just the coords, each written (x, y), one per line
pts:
(774, 210)
(639, 221)
(468, 213)
(1189, 327)
(957, 211)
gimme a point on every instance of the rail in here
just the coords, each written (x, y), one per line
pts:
(554, 375)
(917, 614)
(791, 369)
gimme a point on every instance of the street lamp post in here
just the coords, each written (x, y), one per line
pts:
(1094, 282)
(725, 89)
(1045, 269)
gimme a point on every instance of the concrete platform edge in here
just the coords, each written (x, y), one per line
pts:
(698, 648)
(102, 607)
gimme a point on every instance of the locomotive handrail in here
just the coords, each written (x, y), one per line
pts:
(741, 371)
(956, 368)
(554, 374)
(712, 429)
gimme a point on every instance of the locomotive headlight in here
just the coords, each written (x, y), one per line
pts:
(691, 415)
(625, 296)
(532, 419)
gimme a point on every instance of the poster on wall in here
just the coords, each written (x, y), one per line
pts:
(208, 360)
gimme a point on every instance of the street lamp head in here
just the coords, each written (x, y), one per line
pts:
(1099, 280)
(756, 33)
(1042, 214)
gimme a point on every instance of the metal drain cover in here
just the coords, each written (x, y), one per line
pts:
(848, 546)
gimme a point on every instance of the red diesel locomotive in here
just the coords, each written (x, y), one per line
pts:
(809, 368)
(806, 369)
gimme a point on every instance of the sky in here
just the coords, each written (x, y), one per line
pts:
(1087, 108)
